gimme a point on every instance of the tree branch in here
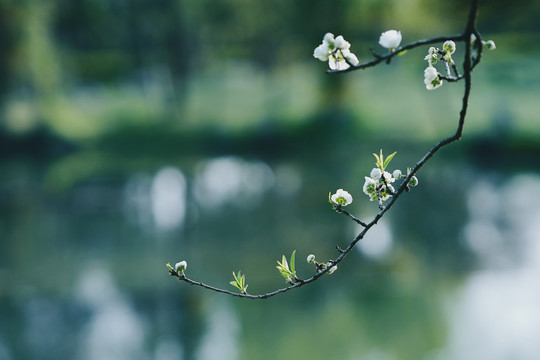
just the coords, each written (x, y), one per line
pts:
(471, 59)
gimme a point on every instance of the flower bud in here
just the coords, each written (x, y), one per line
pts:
(180, 266)
(397, 174)
(311, 258)
(332, 269)
(376, 174)
(490, 44)
(390, 39)
(413, 181)
(449, 46)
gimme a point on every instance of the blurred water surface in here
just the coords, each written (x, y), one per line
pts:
(82, 268)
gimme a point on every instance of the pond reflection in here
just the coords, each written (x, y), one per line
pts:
(231, 180)
(221, 337)
(81, 276)
(495, 315)
(113, 329)
(160, 200)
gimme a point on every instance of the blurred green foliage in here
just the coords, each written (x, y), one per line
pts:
(89, 68)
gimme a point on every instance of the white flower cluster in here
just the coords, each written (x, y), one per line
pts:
(336, 52)
(378, 184)
(432, 78)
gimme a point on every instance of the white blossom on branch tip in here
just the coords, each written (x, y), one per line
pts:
(341, 197)
(179, 267)
(390, 39)
(490, 44)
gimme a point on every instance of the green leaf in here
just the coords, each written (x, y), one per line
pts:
(284, 262)
(387, 161)
(401, 53)
(292, 261)
(242, 280)
(378, 161)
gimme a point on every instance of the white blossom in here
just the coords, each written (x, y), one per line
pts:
(388, 177)
(322, 52)
(341, 43)
(311, 258)
(397, 174)
(329, 38)
(390, 39)
(341, 197)
(350, 57)
(336, 61)
(370, 188)
(431, 78)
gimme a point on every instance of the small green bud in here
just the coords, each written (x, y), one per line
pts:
(180, 266)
